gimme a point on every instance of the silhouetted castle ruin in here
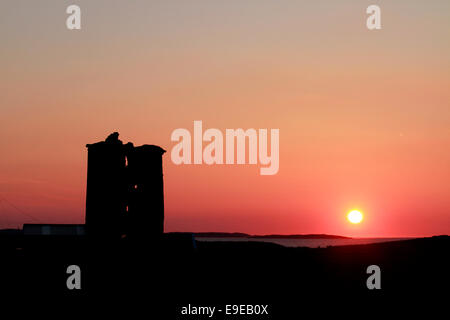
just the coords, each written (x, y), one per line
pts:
(125, 195)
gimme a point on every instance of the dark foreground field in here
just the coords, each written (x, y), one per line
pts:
(173, 273)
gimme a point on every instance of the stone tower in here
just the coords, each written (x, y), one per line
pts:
(125, 194)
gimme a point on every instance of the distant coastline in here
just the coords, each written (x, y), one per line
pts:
(294, 240)
(269, 236)
(225, 235)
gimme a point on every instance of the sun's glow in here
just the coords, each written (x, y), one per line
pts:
(355, 216)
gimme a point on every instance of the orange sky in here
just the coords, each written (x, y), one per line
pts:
(364, 116)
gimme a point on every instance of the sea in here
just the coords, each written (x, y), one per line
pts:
(310, 243)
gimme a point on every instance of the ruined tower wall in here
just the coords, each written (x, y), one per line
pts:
(125, 192)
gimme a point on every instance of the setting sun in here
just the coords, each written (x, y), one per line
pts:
(355, 216)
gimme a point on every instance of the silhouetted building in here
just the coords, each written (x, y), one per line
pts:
(145, 192)
(106, 188)
(125, 193)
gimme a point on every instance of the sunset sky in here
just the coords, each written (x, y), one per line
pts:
(364, 116)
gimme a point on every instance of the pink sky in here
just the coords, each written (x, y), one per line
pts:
(364, 116)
